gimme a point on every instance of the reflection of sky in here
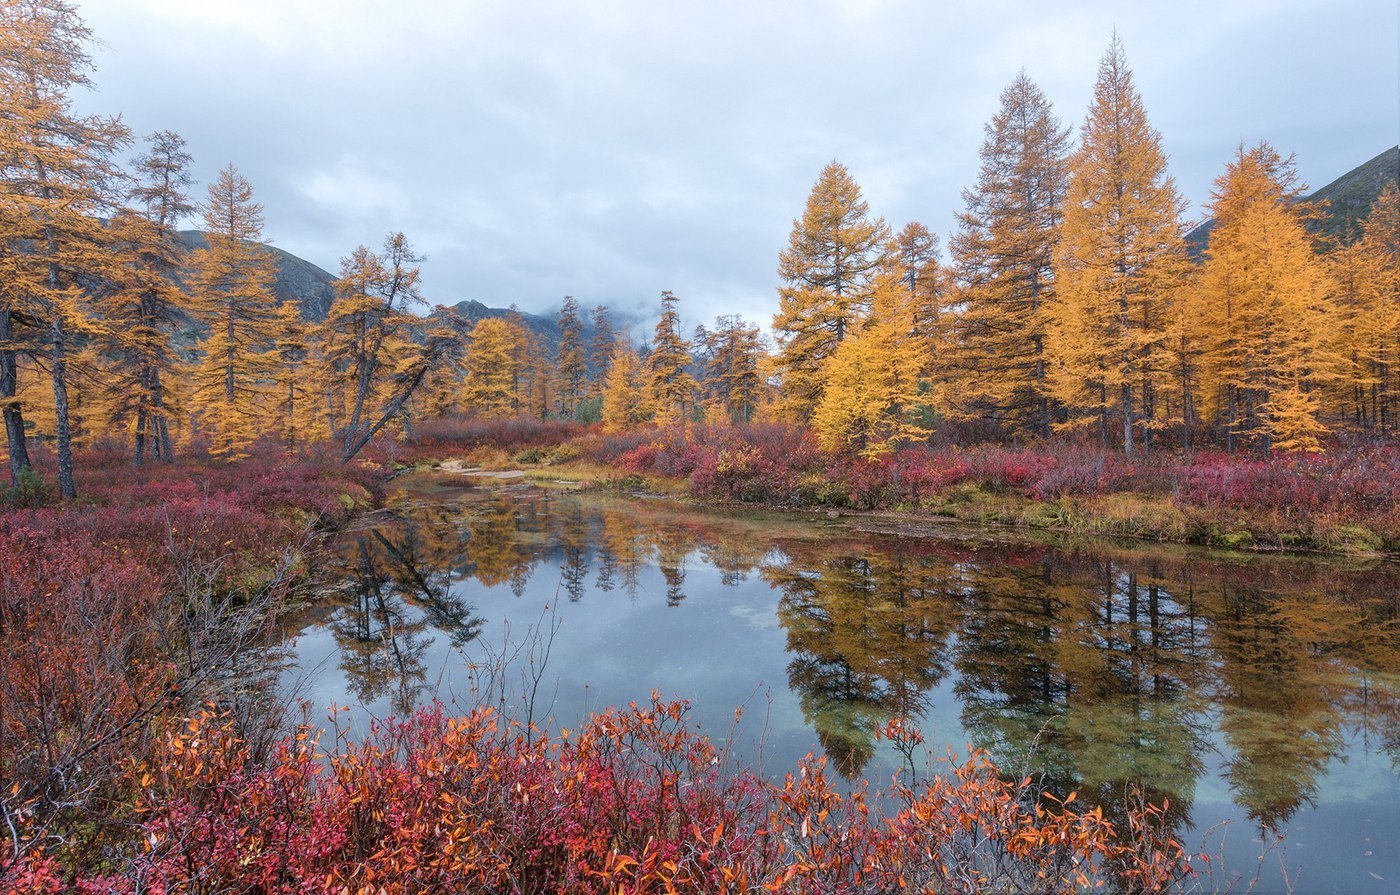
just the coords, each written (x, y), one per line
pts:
(723, 646)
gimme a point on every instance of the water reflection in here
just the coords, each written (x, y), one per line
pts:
(1093, 666)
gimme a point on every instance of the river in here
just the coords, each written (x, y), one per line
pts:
(1255, 693)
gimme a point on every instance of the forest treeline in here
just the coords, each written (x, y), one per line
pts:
(1067, 303)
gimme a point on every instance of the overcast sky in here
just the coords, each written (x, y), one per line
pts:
(610, 150)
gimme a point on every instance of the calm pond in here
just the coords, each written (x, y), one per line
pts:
(1256, 690)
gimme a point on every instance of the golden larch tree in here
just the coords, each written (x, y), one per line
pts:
(625, 402)
(367, 341)
(143, 308)
(292, 390)
(671, 387)
(826, 269)
(495, 359)
(232, 284)
(1366, 278)
(58, 184)
(1119, 257)
(1003, 256)
(876, 386)
(1263, 322)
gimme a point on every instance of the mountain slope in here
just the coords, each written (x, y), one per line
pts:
(297, 279)
(1348, 201)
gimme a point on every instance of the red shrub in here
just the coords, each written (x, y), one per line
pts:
(636, 801)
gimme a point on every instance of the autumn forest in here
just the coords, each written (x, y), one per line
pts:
(195, 458)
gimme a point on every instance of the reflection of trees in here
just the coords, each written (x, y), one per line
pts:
(868, 636)
(623, 553)
(493, 544)
(572, 533)
(381, 648)
(1097, 668)
(1085, 674)
(1281, 689)
(672, 544)
(400, 577)
(1132, 716)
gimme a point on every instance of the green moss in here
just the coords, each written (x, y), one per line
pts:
(1236, 539)
(1356, 539)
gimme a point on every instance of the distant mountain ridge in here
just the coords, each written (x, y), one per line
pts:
(297, 279)
(1349, 199)
(313, 288)
(545, 327)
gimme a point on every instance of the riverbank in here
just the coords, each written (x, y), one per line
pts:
(127, 610)
(1341, 502)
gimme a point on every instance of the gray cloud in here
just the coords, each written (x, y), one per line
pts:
(610, 150)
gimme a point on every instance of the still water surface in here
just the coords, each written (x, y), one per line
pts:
(1262, 691)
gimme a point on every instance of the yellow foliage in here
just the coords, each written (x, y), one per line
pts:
(1120, 255)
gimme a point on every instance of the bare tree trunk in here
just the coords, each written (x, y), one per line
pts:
(14, 419)
(138, 451)
(58, 372)
(164, 449)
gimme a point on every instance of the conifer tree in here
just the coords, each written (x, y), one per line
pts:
(600, 348)
(672, 388)
(1004, 254)
(731, 353)
(827, 268)
(495, 357)
(367, 337)
(145, 306)
(912, 258)
(290, 386)
(232, 283)
(1367, 278)
(1120, 255)
(57, 182)
(570, 364)
(1263, 320)
(875, 385)
(625, 403)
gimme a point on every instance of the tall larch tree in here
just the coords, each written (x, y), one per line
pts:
(1003, 255)
(1119, 257)
(876, 381)
(826, 270)
(57, 183)
(292, 387)
(1264, 318)
(570, 361)
(671, 387)
(232, 282)
(912, 258)
(145, 307)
